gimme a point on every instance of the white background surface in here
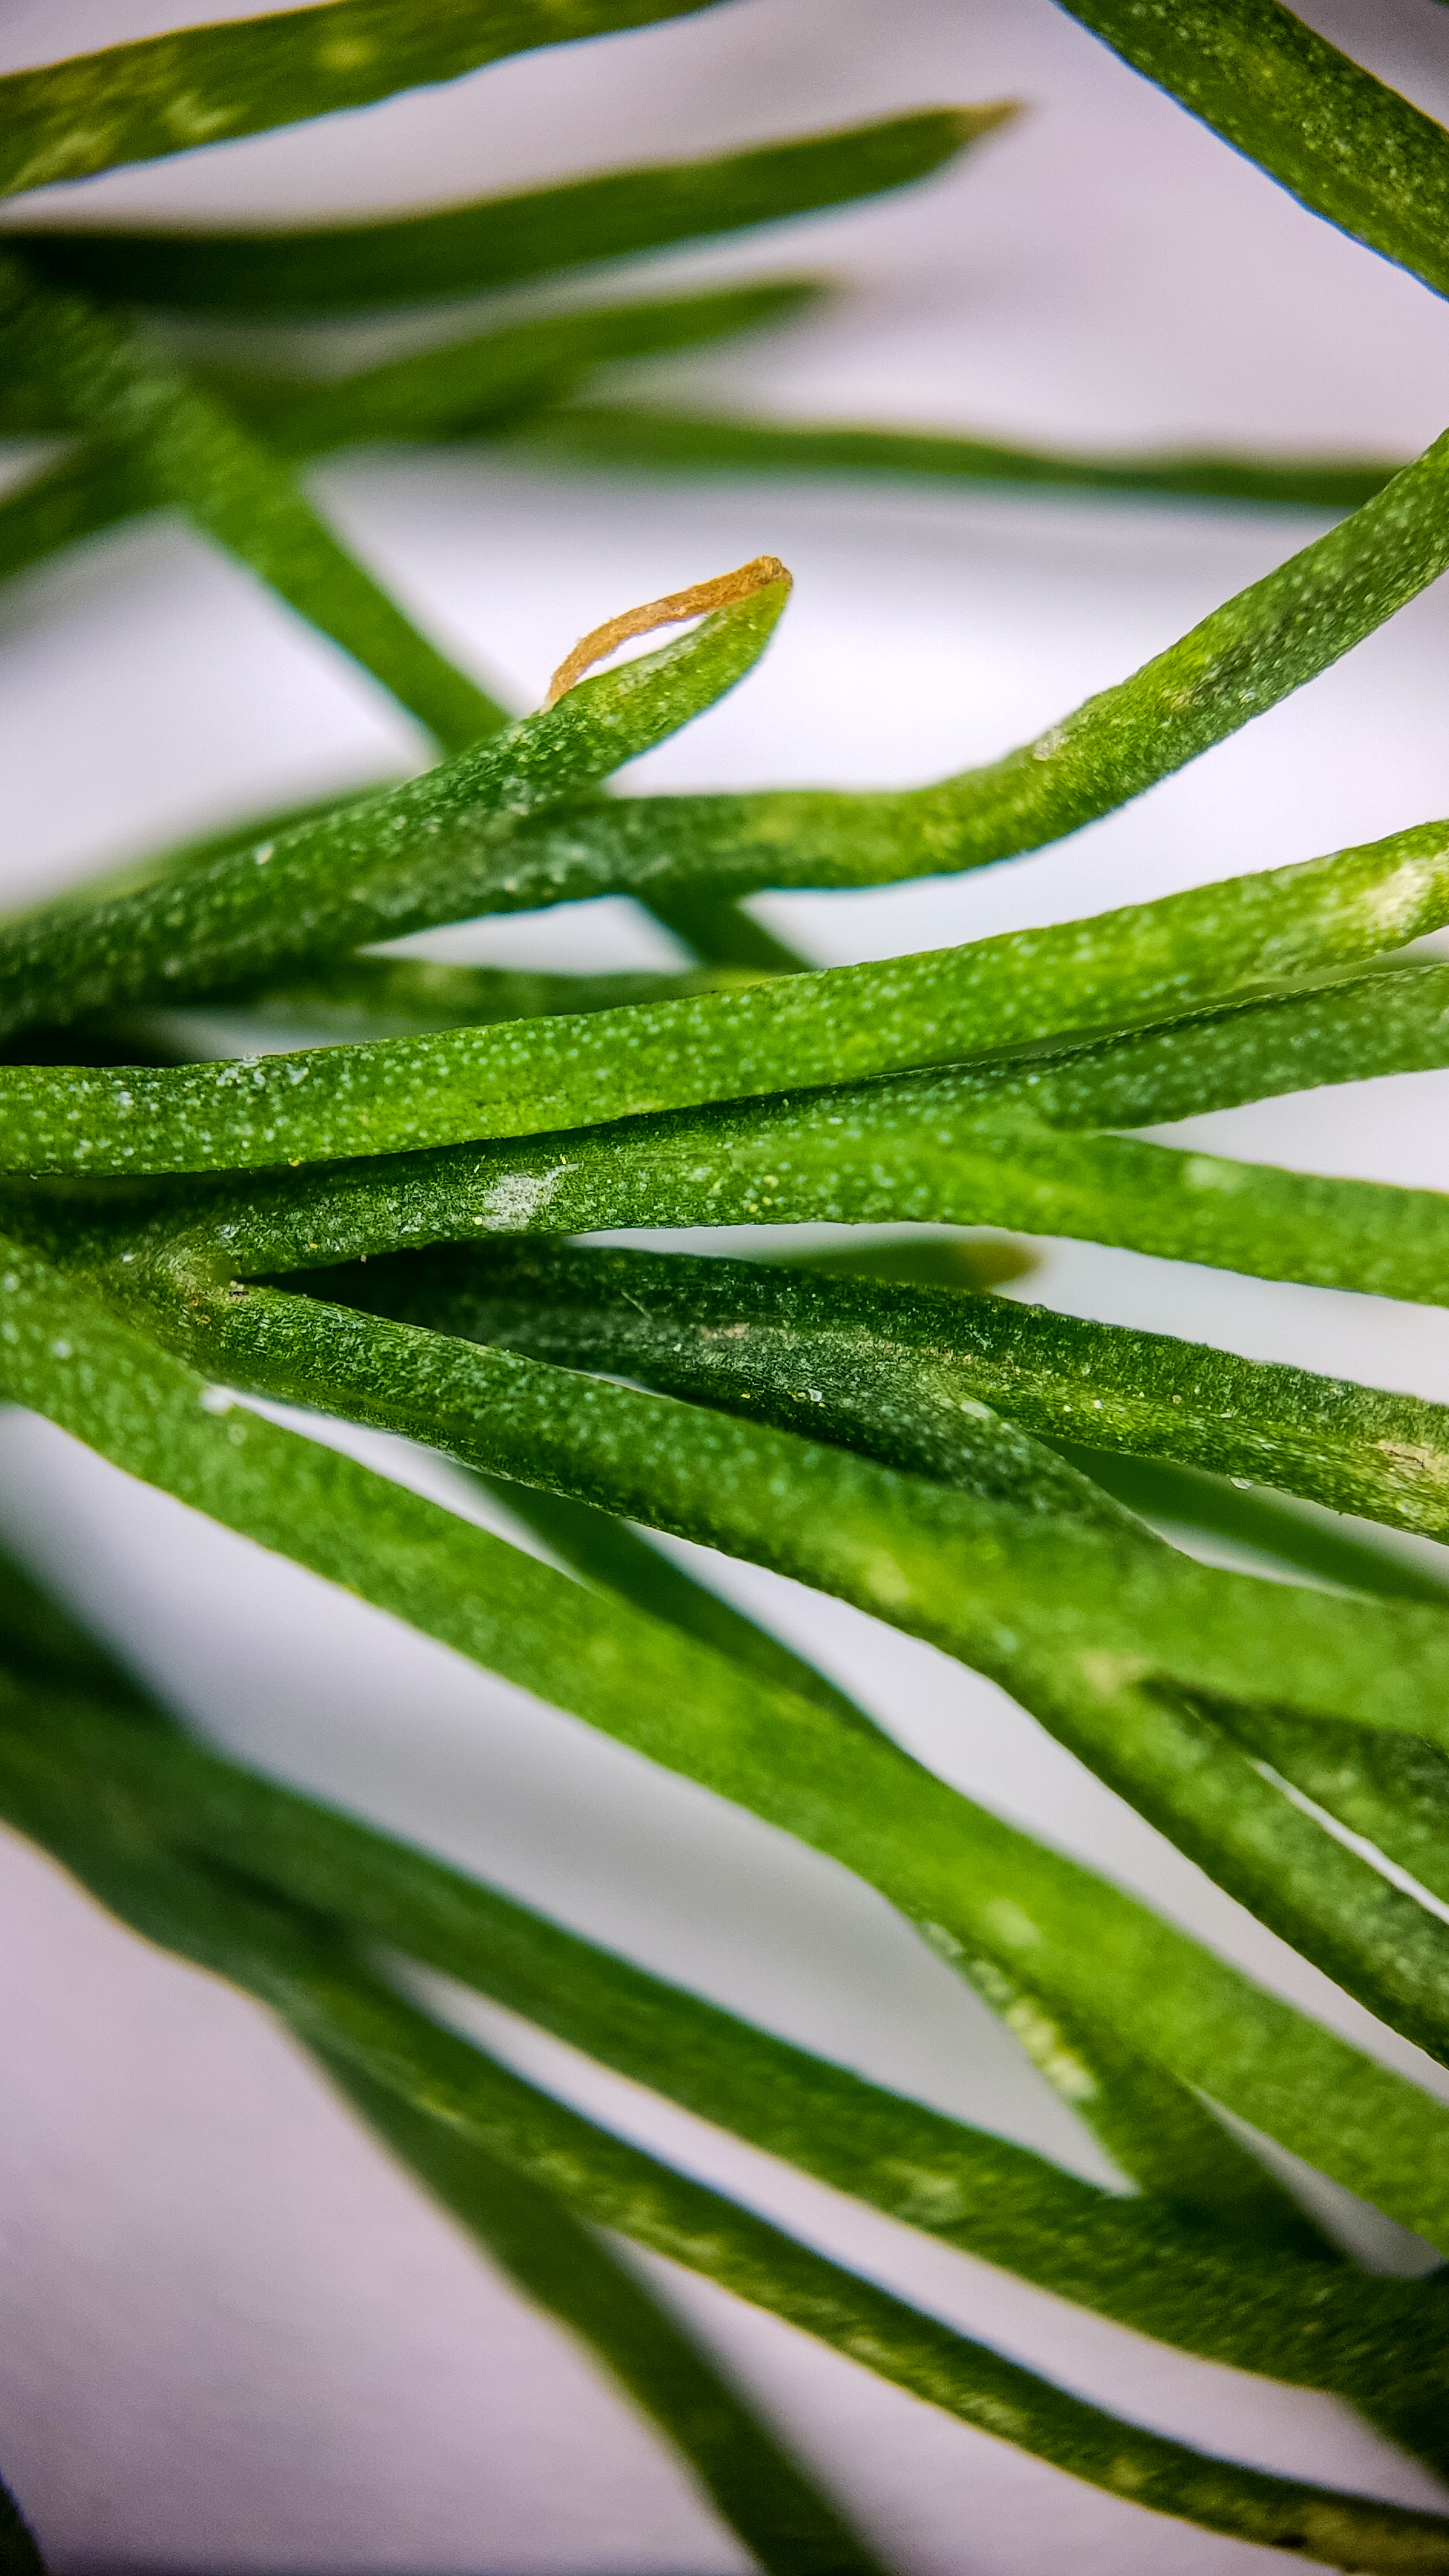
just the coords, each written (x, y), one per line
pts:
(233, 2336)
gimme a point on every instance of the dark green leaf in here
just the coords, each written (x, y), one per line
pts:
(641, 438)
(19, 2555)
(466, 249)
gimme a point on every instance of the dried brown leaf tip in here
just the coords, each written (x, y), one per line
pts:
(702, 596)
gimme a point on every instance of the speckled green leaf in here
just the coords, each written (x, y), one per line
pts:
(844, 1024)
(363, 870)
(1340, 141)
(1112, 1640)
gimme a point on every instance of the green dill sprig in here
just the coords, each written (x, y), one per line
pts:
(972, 1472)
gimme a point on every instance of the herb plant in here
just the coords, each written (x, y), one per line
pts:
(382, 1228)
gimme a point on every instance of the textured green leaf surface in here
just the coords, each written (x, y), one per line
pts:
(360, 998)
(845, 1023)
(1111, 1641)
(878, 1443)
(918, 1151)
(1340, 141)
(896, 1372)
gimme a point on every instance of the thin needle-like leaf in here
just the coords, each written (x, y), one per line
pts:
(784, 2518)
(465, 249)
(918, 1378)
(1281, 2311)
(839, 2128)
(609, 1554)
(1343, 143)
(646, 438)
(1245, 657)
(185, 450)
(463, 388)
(165, 94)
(1109, 1640)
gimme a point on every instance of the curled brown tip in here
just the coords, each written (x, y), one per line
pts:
(695, 602)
